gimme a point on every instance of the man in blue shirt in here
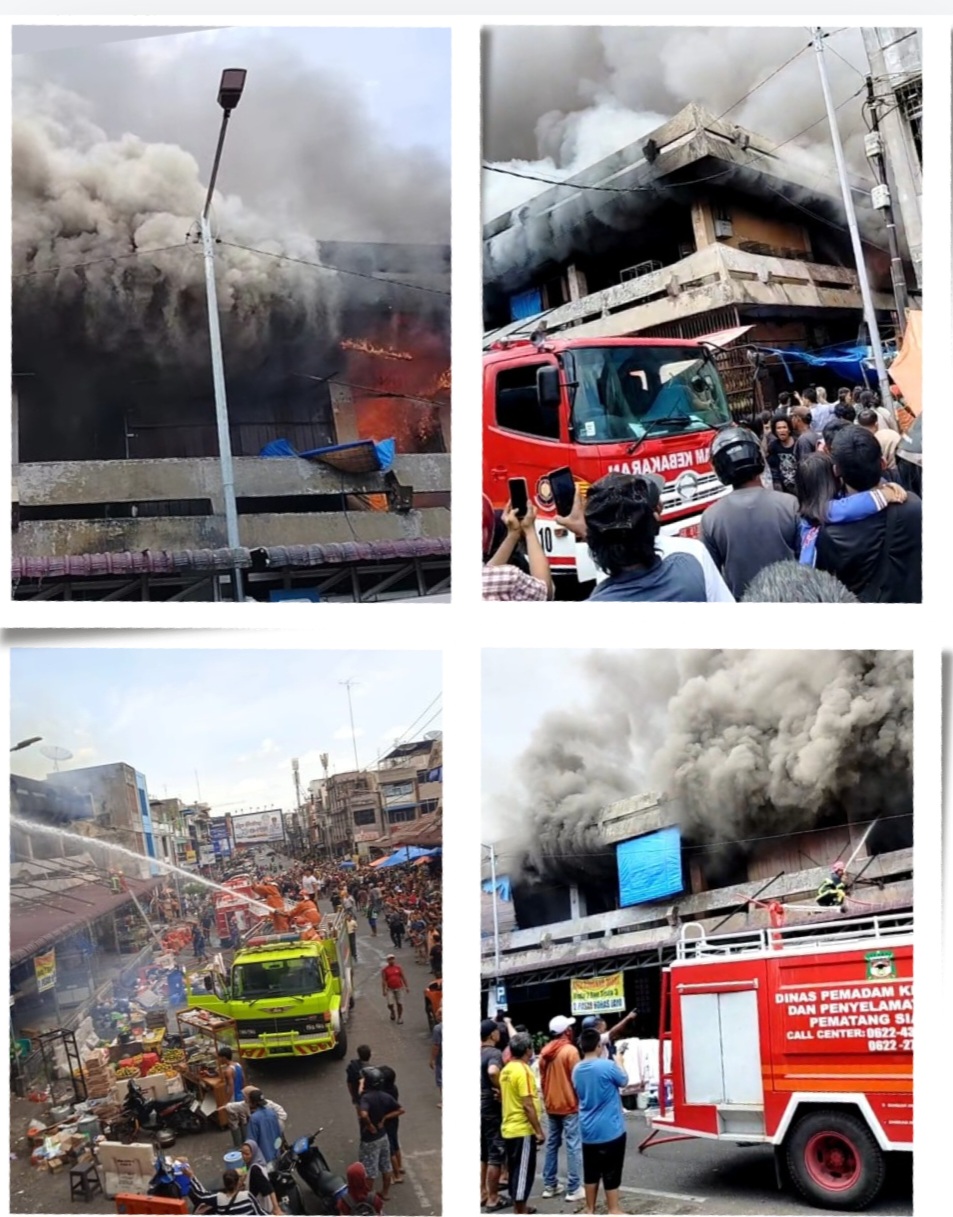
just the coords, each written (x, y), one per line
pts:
(598, 1081)
(263, 1125)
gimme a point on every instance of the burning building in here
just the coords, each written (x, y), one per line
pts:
(334, 303)
(700, 228)
(761, 794)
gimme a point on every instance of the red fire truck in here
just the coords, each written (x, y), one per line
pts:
(800, 1037)
(234, 905)
(623, 405)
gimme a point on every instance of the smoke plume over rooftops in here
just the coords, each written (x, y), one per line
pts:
(111, 151)
(557, 100)
(743, 744)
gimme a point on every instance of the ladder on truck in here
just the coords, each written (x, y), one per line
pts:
(664, 1071)
(693, 943)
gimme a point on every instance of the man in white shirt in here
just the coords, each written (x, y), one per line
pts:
(309, 883)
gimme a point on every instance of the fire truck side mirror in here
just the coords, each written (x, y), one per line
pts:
(547, 385)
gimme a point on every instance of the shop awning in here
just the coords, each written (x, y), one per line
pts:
(723, 338)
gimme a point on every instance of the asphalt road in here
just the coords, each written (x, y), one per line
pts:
(314, 1094)
(706, 1178)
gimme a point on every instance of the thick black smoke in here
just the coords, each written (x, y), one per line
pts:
(111, 148)
(741, 743)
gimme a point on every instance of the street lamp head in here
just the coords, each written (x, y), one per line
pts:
(230, 88)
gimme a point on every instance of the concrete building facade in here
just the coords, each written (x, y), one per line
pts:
(566, 919)
(700, 229)
(896, 65)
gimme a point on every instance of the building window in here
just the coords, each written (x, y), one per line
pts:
(397, 792)
(428, 806)
(910, 104)
(367, 816)
(517, 403)
(401, 815)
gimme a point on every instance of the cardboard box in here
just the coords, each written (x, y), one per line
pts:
(126, 1168)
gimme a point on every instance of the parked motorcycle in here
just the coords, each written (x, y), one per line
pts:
(152, 1115)
(306, 1160)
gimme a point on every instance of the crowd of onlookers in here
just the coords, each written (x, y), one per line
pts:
(566, 1097)
(825, 506)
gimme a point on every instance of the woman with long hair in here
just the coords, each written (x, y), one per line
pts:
(780, 454)
(820, 501)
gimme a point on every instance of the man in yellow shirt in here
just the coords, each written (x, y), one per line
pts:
(521, 1127)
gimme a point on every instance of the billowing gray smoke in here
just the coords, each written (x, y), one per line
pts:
(557, 100)
(111, 151)
(743, 743)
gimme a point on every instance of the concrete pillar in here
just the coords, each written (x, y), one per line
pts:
(345, 416)
(703, 224)
(576, 281)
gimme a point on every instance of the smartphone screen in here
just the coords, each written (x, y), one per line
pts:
(519, 496)
(564, 490)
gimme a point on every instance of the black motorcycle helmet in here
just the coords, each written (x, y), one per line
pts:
(373, 1079)
(736, 456)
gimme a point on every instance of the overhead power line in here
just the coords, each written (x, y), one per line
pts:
(761, 83)
(340, 270)
(654, 188)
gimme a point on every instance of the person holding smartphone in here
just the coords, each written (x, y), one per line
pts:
(501, 579)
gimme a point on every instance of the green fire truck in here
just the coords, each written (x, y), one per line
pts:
(290, 994)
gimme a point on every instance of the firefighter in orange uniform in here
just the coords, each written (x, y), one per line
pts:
(306, 910)
(275, 901)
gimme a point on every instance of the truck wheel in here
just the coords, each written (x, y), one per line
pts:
(339, 1051)
(834, 1160)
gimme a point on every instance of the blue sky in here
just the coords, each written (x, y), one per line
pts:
(237, 717)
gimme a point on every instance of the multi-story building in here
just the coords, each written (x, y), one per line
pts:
(373, 807)
(353, 812)
(618, 904)
(896, 76)
(125, 499)
(120, 804)
(701, 229)
(410, 780)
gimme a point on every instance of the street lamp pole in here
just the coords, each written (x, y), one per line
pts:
(870, 314)
(350, 711)
(229, 92)
(496, 916)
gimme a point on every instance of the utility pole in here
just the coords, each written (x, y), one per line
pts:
(229, 93)
(350, 711)
(874, 148)
(870, 317)
(496, 917)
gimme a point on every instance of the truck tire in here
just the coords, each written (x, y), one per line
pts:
(339, 1051)
(834, 1160)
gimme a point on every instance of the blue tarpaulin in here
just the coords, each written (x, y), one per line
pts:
(407, 853)
(503, 888)
(848, 360)
(650, 867)
(361, 456)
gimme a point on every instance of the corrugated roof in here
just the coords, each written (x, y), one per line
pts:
(72, 898)
(166, 562)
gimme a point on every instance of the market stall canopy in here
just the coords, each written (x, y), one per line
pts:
(409, 853)
(907, 369)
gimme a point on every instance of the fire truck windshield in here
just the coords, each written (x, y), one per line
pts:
(277, 978)
(621, 393)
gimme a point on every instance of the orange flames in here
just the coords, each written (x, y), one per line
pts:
(368, 348)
